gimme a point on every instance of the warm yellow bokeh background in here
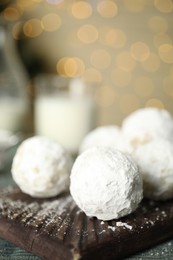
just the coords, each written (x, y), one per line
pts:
(123, 47)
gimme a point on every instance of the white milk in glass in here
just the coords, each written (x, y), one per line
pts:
(64, 118)
(12, 113)
(66, 115)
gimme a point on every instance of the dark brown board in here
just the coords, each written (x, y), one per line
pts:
(57, 229)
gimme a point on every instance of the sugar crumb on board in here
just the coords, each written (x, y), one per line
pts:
(55, 214)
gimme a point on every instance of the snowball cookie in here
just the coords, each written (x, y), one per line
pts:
(105, 183)
(155, 161)
(147, 124)
(108, 136)
(41, 167)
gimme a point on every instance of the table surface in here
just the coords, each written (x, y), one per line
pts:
(9, 251)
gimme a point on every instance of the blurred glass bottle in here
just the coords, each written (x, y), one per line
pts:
(14, 102)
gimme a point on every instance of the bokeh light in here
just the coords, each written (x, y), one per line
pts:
(87, 33)
(25, 5)
(154, 102)
(166, 53)
(11, 13)
(32, 28)
(164, 6)
(140, 51)
(81, 10)
(100, 59)
(107, 8)
(70, 67)
(112, 37)
(51, 22)
(54, 2)
(37, 1)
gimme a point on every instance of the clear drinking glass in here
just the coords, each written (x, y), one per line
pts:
(14, 103)
(64, 110)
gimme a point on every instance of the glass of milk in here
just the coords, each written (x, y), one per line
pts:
(64, 110)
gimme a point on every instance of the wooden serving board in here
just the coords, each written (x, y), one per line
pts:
(57, 229)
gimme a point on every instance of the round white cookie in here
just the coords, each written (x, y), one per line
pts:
(41, 167)
(147, 124)
(107, 136)
(155, 161)
(106, 183)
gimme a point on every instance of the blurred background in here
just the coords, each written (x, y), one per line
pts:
(123, 48)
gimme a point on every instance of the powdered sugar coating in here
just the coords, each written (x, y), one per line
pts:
(41, 167)
(155, 161)
(108, 136)
(147, 124)
(106, 183)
